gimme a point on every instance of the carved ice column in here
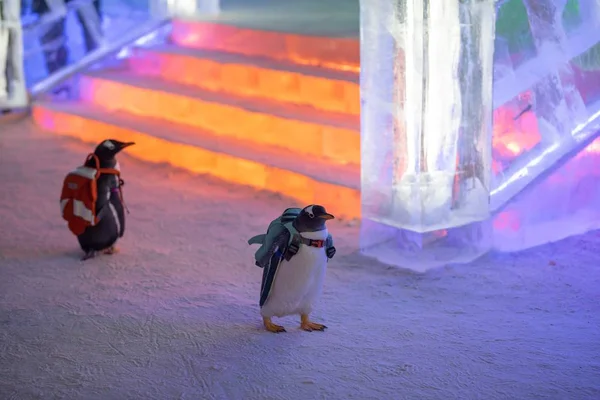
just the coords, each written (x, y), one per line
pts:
(426, 93)
(13, 92)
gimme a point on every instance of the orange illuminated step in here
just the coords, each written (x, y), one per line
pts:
(324, 89)
(304, 130)
(304, 179)
(336, 53)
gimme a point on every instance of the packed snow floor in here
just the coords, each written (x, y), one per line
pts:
(175, 316)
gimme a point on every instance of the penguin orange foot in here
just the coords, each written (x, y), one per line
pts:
(307, 325)
(111, 250)
(271, 327)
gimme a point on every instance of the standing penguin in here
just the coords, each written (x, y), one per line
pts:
(110, 208)
(294, 254)
(92, 202)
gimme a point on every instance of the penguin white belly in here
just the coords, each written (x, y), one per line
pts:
(298, 283)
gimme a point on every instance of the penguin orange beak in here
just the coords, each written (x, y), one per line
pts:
(128, 144)
(326, 216)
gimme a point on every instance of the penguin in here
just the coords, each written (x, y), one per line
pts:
(109, 204)
(294, 266)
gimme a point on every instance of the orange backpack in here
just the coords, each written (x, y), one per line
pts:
(79, 195)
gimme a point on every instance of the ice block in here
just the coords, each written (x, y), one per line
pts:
(557, 101)
(547, 189)
(565, 203)
(560, 79)
(426, 127)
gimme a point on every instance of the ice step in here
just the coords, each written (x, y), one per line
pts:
(340, 53)
(304, 130)
(237, 74)
(304, 179)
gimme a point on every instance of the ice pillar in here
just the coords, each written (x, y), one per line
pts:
(13, 93)
(426, 95)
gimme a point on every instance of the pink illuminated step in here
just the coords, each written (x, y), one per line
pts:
(336, 53)
(305, 179)
(327, 90)
(303, 130)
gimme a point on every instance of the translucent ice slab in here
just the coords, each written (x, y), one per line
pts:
(546, 89)
(426, 89)
(565, 203)
(545, 182)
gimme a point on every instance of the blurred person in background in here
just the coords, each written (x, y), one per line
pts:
(53, 38)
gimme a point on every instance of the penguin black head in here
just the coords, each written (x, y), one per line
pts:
(312, 219)
(108, 149)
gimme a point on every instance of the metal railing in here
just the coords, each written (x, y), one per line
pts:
(34, 26)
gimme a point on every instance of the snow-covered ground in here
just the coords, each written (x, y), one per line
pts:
(175, 315)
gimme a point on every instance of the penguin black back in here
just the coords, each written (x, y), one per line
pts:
(109, 204)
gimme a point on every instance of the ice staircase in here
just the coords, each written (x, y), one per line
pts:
(274, 111)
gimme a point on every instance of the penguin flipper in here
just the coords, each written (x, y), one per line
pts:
(277, 254)
(258, 239)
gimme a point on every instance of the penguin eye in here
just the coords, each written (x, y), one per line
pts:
(309, 211)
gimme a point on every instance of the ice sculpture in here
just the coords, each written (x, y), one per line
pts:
(565, 203)
(426, 92)
(416, 118)
(12, 82)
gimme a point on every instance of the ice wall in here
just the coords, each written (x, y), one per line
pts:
(544, 184)
(426, 92)
(553, 74)
(565, 203)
